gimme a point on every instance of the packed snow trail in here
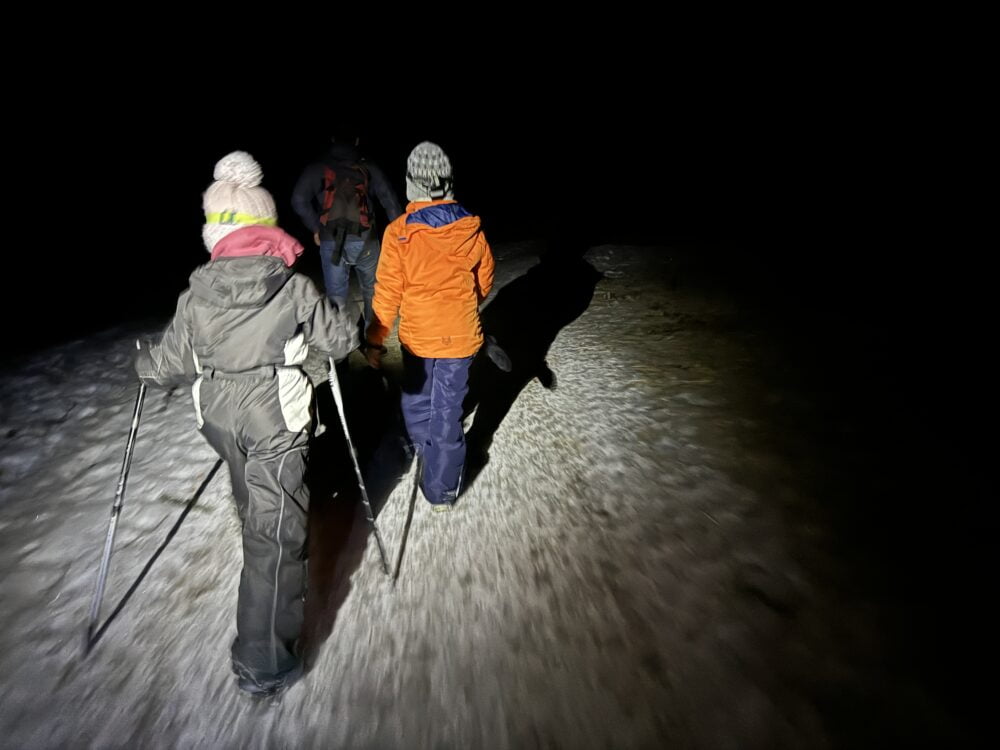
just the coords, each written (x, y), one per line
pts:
(648, 553)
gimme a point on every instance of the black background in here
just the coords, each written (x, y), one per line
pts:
(749, 168)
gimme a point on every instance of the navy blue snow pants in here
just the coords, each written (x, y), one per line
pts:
(433, 390)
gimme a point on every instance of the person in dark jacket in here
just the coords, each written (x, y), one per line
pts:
(357, 247)
(240, 332)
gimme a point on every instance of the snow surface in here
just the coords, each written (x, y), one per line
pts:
(644, 561)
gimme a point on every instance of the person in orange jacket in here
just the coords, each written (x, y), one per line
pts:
(435, 270)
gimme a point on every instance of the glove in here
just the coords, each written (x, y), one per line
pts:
(142, 361)
(373, 353)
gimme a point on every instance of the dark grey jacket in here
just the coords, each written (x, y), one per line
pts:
(244, 313)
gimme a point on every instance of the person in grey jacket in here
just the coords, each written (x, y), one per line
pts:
(240, 332)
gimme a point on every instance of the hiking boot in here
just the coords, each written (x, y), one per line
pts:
(268, 692)
(446, 503)
(265, 696)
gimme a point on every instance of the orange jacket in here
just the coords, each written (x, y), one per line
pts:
(434, 271)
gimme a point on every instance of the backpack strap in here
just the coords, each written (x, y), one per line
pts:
(328, 177)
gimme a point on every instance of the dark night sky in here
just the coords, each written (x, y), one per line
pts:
(610, 162)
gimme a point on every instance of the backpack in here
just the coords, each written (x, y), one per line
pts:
(344, 199)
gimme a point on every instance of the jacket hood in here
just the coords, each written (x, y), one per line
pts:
(452, 227)
(247, 269)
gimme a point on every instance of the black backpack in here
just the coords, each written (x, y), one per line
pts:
(345, 200)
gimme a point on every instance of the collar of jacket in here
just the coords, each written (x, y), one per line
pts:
(417, 205)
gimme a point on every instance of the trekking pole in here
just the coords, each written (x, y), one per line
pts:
(339, 399)
(102, 575)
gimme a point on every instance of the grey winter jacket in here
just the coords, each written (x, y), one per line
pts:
(244, 313)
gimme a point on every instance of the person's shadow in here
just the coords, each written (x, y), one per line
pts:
(524, 319)
(338, 527)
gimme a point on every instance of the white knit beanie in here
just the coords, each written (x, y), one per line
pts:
(235, 199)
(428, 174)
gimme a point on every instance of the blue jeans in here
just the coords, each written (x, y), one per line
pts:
(359, 251)
(433, 391)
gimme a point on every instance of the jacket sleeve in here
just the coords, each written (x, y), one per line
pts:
(304, 194)
(384, 192)
(388, 289)
(171, 362)
(484, 271)
(327, 329)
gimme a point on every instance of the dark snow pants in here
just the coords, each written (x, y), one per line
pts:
(243, 422)
(433, 390)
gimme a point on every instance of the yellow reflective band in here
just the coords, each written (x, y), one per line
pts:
(231, 217)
